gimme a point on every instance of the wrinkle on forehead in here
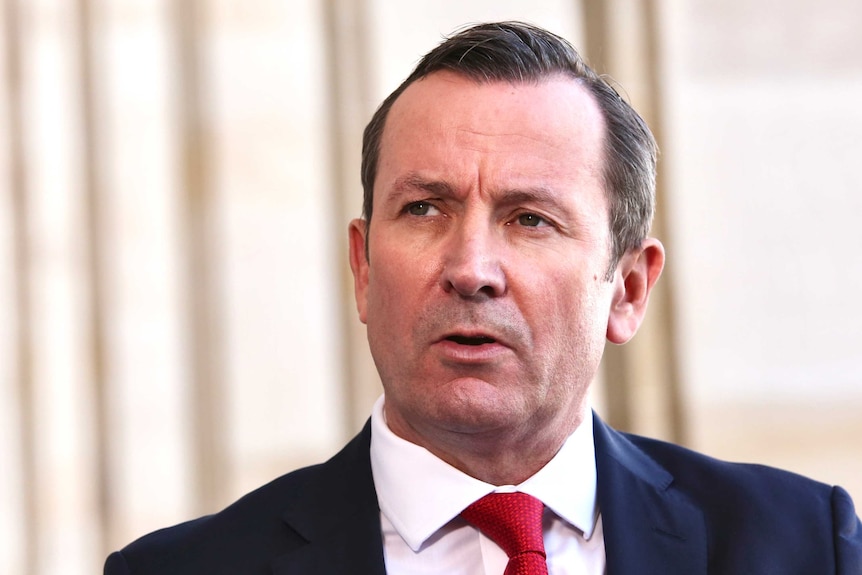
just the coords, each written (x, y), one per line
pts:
(493, 136)
(520, 146)
(470, 139)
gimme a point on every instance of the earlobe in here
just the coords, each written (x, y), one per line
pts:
(635, 277)
(359, 265)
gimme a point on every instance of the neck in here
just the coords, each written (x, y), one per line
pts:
(497, 456)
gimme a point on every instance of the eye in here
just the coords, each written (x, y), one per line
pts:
(421, 209)
(531, 220)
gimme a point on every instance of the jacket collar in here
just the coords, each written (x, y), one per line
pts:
(338, 516)
(649, 528)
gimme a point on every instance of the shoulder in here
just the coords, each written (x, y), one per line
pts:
(753, 518)
(245, 531)
(706, 477)
(744, 501)
(247, 535)
(698, 476)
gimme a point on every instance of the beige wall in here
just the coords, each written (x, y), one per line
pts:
(761, 130)
(764, 128)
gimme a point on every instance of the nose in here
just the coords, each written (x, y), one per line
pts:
(472, 263)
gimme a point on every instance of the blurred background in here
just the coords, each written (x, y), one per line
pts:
(176, 179)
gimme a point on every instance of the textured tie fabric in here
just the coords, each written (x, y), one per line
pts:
(514, 522)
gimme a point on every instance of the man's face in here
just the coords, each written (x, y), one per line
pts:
(484, 290)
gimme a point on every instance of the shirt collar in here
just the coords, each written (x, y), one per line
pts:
(420, 493)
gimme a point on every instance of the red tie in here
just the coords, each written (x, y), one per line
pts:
(514, 522)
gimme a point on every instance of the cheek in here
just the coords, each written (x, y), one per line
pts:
(396, 289)
(573, 312)
(384, 298)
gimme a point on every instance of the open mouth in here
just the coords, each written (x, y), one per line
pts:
(465, 340)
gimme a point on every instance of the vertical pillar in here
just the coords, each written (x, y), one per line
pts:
(642, 377)
(207, 394)
(666, 353)
(21, 290)
(94, 240)
(349, 79)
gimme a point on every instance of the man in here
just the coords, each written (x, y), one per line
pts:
(508, 195)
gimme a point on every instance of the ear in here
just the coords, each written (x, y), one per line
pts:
(634, 278)
(359, 265)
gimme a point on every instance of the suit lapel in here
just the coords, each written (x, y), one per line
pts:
(338, 517)
(648, 527)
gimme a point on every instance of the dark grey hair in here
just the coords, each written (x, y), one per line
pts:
(517, 52)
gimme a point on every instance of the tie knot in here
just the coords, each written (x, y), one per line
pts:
(512, 520)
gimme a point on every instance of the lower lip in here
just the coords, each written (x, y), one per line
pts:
(466, 354)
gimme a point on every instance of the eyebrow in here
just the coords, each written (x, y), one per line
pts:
(536, 194)
(541, 195)
(414, 182)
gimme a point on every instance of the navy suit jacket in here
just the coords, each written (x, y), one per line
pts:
(665, 510)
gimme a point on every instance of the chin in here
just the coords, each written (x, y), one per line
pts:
(474, 405)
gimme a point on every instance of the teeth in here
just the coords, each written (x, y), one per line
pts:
(463, 340)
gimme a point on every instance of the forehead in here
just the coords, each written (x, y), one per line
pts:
(552, 128)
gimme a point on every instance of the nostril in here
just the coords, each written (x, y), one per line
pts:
(472, 267)
(472, 286)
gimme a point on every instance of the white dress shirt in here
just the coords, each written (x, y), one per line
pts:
(421, 497)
